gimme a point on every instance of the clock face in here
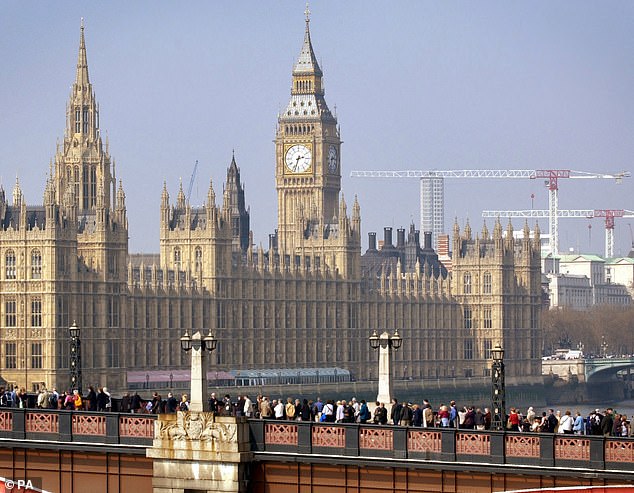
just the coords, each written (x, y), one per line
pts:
(332, 159)
(298, 158)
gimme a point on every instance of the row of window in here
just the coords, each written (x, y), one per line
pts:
(11, 313)
(11, 355)
(467, 284)
(198, 258)
(487, 321)
(10, 265)
(82, 119)
(468, 348)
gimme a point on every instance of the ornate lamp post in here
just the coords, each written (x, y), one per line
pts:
(75, 358)
(498, 389)
(604, 347)
(386, 343)
(199, 344)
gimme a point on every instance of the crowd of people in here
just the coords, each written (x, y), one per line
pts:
(606, 423)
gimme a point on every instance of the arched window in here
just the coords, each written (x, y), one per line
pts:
(85, 119)
(466, 283)
(36, 264)
(77, 120)
(9, 263)
(177, 258)
(198, 256)
(486, 283)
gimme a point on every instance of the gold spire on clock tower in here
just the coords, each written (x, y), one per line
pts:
(308, 173)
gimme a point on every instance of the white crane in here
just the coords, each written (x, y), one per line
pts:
(432, 190)
(608, 214)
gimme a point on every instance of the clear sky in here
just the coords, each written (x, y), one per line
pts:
(416, 85)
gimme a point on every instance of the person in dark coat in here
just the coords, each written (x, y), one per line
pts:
(305, 411)
(417, 416)
(172, 403)
(213, 403)
(136, 403)
(607, 422)
(397, 409)
(124, 407)
(91, 399)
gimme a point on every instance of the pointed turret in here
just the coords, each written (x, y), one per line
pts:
(82, 61)
(80, 161)
(485, 231)
(497, 230)
(509, 230)
(537, 240)
(467, 231)
(180, 198)
(211, 196)
(343, 208)
(234, 208)
(356, 216)
(165, 197)
(456, 229)
(17, 193)
(307, 62)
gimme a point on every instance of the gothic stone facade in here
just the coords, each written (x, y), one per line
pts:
(307, 301)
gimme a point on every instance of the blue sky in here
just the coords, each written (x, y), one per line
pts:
(416, 85)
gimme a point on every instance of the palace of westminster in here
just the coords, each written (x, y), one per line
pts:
(310, 301)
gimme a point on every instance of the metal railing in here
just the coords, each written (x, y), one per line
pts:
(442, 444)
(77, 426)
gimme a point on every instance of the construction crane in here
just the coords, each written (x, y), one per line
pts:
(191, 181)
(432, 191)
(608, 214)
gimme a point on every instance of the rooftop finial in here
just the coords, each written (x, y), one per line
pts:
(82, 23)
(307, 14)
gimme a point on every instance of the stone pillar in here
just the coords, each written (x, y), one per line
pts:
(200, 452)
(198, 398)
(385, 370)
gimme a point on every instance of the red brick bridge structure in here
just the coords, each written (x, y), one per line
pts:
(76, 452)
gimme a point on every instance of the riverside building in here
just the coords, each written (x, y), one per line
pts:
(308, 301)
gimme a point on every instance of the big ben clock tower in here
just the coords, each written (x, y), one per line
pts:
(307, 146)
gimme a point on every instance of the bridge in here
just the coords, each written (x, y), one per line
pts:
(588, 370)
(74, 452)
(599, 369)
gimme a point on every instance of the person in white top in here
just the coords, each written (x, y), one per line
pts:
(279, 409)
(565, 423)
(248, 407)
(340, 407)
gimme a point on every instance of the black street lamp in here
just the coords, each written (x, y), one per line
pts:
(498, 389)
(75, 358)
(207, 343)
(171, 379)
(392, 341)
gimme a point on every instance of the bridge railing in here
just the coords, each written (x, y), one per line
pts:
(77, 426)
(442, 444)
